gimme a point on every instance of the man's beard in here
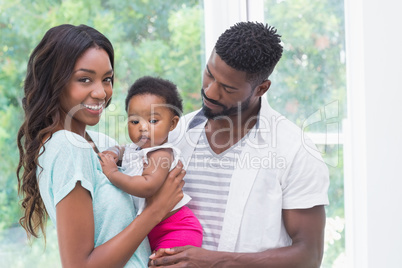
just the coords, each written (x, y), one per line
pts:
(226, 111)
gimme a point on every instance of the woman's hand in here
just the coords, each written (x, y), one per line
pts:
(108, 164)
(113, 154)
(164, 200)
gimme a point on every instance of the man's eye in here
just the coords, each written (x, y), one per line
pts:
(228, 90)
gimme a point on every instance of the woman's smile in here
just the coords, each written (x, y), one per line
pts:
(96, 109)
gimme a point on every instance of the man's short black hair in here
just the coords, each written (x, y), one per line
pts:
(251, 47)
(158, 87)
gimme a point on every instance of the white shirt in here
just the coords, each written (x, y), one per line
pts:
(276, 170)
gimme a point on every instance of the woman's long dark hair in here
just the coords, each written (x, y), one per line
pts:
(49, 69)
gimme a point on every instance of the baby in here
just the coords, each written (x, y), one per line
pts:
(153, 106)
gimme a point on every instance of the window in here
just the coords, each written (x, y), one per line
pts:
(309, 88)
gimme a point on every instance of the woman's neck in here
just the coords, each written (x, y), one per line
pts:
(70, 124)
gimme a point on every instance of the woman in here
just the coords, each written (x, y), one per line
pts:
(69, 82)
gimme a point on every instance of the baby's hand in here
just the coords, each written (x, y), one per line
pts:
(108, 164)
(115, 156)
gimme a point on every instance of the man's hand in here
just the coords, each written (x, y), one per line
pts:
(188, 256)
(304, 226)
(108, 164)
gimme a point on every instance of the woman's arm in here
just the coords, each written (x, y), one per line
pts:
(75, 226)
(145, 185)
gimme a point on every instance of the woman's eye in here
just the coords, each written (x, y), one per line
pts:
(153, 121)
(108, 79)
(135, 122)
(84, 80)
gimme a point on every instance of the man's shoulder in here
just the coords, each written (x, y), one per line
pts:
(187, 119)
(289, 139)
(279, 127)
(186, 122)
(189, 116)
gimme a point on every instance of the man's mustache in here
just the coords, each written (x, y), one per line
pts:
(210, 100)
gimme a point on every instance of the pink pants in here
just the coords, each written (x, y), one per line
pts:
(180, 229)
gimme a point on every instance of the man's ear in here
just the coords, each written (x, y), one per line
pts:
(175, 120)
(263, 87)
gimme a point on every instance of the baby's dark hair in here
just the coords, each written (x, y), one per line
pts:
(251, 47)
(158, 87)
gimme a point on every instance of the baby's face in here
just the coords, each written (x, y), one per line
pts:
(149, 120)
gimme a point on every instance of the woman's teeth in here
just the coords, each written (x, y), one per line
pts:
(93, 107)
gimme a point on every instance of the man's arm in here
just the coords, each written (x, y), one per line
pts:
(304, 226)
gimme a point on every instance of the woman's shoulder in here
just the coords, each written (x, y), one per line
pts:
(66, 140)
(69, 152)
(69, 146)
(102, 140)
(71, 140)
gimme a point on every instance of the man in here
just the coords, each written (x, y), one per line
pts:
(257, 188)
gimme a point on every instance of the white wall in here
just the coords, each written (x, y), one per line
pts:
(373, 180)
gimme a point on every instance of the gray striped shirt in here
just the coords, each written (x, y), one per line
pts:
(208, 182)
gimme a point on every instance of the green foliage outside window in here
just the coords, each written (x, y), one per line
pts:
(309, 85)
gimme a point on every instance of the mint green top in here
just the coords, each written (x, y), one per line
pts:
(69, 158)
